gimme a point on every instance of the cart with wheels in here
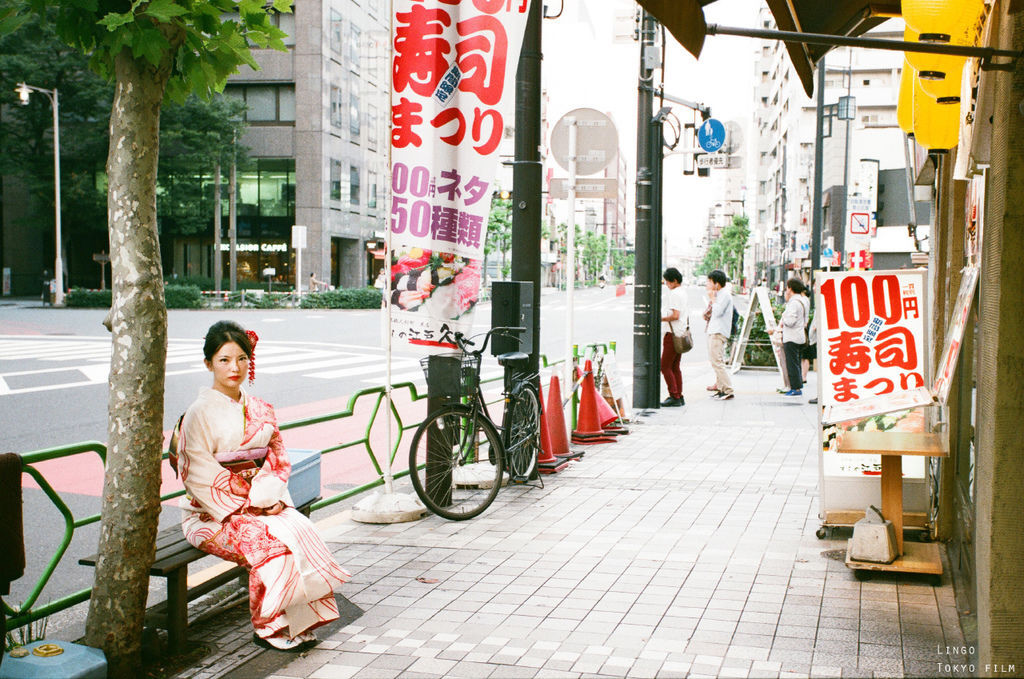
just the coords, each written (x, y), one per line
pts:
(912, 557)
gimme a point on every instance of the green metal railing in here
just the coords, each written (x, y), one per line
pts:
(25, 613)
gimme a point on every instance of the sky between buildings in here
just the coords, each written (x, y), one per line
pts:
(585, 66)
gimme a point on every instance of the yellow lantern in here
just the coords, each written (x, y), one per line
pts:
(936, 126)
(939, 73)
(905, 102)
(942, 21)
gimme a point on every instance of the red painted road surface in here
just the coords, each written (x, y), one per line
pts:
(83, 474)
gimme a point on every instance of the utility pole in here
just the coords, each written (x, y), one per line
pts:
(819, 140)
(646, 289)
(527, 176)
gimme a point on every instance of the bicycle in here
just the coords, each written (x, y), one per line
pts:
(458, 460)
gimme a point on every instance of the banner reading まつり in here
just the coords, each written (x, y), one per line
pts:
(871, 342)
(452, 96)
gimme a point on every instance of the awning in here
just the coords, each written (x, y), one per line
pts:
(377, 254)
(685, 20)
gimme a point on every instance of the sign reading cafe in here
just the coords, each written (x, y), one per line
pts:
(452, 95)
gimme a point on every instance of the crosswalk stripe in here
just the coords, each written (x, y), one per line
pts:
(363, 370)
(306, 363)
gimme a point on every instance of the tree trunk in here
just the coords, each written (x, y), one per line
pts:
(138, 321)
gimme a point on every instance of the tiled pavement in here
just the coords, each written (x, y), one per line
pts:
(685, 549)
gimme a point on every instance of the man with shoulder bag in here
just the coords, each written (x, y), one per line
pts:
(676, 339)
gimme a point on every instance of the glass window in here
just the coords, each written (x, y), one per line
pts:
(354, 35)
(336, 32)
(247, 196)
(371, 125)
(353, 115)
(286, 103)
(277, 187)
(337, 106)
(371, 190)
(262, 102)
(266, 103)
(335, 180)
(286, 22)
(353, 185)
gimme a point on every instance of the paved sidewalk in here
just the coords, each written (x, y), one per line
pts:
(685, 549)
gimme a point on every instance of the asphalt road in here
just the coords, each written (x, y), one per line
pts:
(53, 391)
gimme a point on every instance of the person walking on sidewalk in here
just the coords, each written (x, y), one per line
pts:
(673, 317)
(235, 468)
(719, 327)
(794, 336)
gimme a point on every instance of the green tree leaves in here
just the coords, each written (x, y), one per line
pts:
(726, 251)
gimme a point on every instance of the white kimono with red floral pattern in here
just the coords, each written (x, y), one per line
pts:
(292, 575)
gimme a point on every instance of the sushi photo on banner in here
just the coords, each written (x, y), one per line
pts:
(452, 96)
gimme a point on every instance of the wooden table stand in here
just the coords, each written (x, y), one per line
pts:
(912, 557)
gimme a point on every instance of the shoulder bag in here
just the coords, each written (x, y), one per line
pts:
(681, 343)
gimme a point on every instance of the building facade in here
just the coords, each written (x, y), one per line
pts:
(868, 145)
(318, 145)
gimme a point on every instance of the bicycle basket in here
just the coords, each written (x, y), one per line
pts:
(451, 375)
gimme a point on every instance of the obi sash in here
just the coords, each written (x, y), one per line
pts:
(240, 460)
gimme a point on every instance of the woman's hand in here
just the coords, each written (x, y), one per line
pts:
(268, 511)
(276, 509)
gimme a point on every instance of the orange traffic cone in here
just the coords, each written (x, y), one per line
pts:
(547, 463)
(607, 416)
(556, 423)
(588, 425)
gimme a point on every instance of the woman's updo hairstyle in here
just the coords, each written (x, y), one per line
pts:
(796, 285)
(222, 332)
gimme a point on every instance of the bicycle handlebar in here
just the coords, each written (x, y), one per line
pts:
(465, 343)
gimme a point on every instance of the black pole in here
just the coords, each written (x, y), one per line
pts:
(656, 140)
(819, 139)
(646, 375)
(527, 172)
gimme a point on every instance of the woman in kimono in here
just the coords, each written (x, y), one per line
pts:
(235, 469)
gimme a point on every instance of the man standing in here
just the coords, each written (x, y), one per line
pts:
(673, 318)
(719, 318)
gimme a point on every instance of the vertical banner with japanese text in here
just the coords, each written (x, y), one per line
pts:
(452, 98)
(872, 342)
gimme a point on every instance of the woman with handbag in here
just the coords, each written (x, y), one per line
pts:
(676, 339)
(793, 325)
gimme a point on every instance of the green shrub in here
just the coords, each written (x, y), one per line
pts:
(346, 298)
(80, 297)
(175, 297)
(183, 297)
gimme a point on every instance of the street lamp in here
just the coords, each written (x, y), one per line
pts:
(24, 91)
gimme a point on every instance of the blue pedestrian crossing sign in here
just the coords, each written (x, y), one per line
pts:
(711, 135)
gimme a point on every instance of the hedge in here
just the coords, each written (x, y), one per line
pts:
(80, 297)
(345, 298)
(175, 297)
(183, 297)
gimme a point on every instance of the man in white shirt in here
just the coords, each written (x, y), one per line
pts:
(673, 317)
(719, 318)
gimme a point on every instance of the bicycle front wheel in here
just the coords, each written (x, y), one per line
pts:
(522, 446)
(455, 462)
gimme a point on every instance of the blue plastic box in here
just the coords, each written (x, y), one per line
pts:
(304, 482)
(73, 662)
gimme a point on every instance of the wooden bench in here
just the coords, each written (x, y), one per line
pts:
(173, 555)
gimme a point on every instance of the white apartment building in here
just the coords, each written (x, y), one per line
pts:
(785, 124)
